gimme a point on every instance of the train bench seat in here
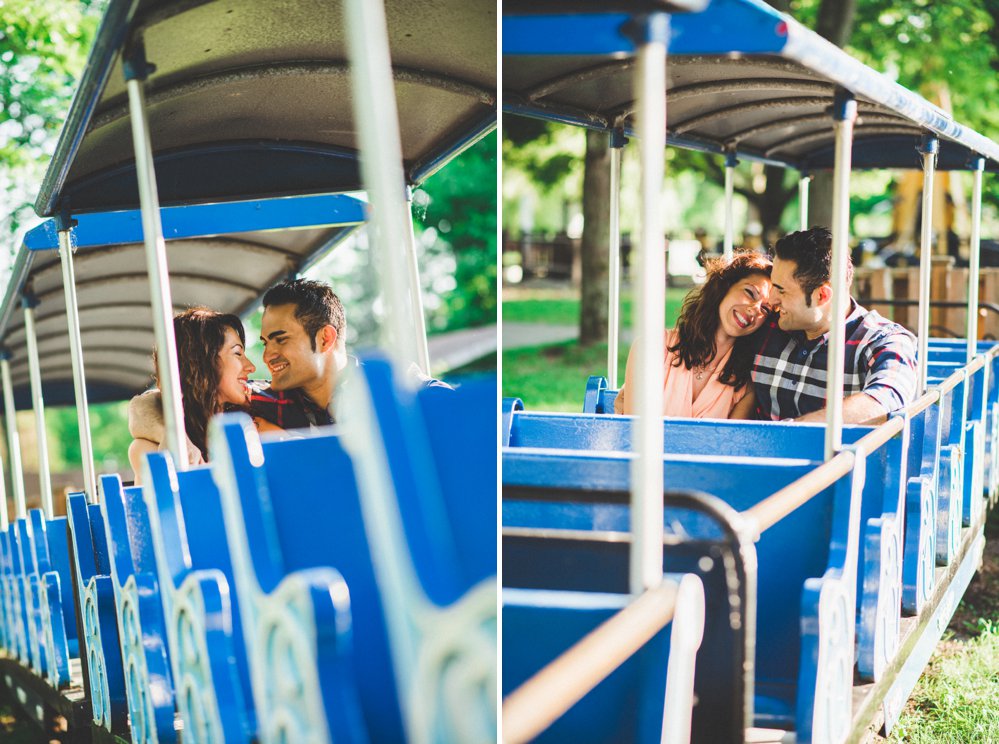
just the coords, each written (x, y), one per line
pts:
(100, 649)
(145, 650)
(809, 555)
(882, 509)
(201, 607)
(384, 519)
(566, 540)
(58, 641)
(635, 702)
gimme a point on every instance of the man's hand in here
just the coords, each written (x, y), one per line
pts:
(859, 408)
(145, 417)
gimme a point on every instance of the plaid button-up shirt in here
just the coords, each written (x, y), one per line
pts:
(288, 409)
(789, 372)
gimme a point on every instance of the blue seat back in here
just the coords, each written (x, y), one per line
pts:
(740, 482)
(538, 626)
(129, 541)
(310, 508)
(461, 432)
(703, 541)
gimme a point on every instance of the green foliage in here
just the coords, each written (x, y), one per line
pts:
(553, 378)
(565, 310)
(456, 209)
(108, 431)
(43, 47)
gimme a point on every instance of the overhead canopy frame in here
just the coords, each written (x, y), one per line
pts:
(252, 100)
(741, 79)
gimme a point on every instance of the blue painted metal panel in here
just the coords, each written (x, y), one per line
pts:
(142, 630)
(726, 26)
(201, 606)
(285, 535)
(539, 625)
(104, 677)
(740, 482)
(704, 541)
(120, 228)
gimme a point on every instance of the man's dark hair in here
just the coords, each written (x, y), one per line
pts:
(811, 251)
(316, 305)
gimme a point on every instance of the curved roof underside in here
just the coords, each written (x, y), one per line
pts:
(741, 78)
(252, 100)
(228, 271)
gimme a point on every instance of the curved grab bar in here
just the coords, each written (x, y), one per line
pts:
(565, 681)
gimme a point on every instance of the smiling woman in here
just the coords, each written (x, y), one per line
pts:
(709, 354)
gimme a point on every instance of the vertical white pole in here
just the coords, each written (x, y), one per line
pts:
(377, 124)
(928, 148)
(4, 517)
(156, 265)
(419, 330)
(38, 405)
(729, 244)
(650, 291)
(13, 439)
(614, 261)
(844, 113)
(803, 184)
(76, 353)
(975, 256)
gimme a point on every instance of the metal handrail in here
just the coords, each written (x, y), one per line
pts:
(542, 699)
(764, 515)
(775, 507)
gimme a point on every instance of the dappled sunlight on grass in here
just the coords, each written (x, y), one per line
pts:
(553, 378)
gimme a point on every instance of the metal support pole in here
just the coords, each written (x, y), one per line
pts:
(729, 245)
(975, 255)
(928, 149)
(803, 184)
(377, 124)
(617, 142)
(76, 353)
(844, 114)
(419, 330)
(651, 34)
(136, 70)
(38, 405)
(13, 439)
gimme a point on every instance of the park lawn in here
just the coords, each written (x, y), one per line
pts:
(559, 308)
(553, 378)
(956, 698)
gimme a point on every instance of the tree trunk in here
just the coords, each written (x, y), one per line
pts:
(835, 21)
(774, 202)
(596, 238)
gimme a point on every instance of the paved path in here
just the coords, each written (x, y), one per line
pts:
(520, 335)
(457, 348)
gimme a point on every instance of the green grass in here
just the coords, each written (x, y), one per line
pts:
(561, 310)
(553, 378)
(955, 700)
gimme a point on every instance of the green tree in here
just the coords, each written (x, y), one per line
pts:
(43, 47)
(456, 209)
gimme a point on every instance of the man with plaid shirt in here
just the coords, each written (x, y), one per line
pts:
(789, 372)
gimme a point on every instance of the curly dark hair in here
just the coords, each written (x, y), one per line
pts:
(316, 305)
(200, 335)
(698, 322)
(811, 251)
